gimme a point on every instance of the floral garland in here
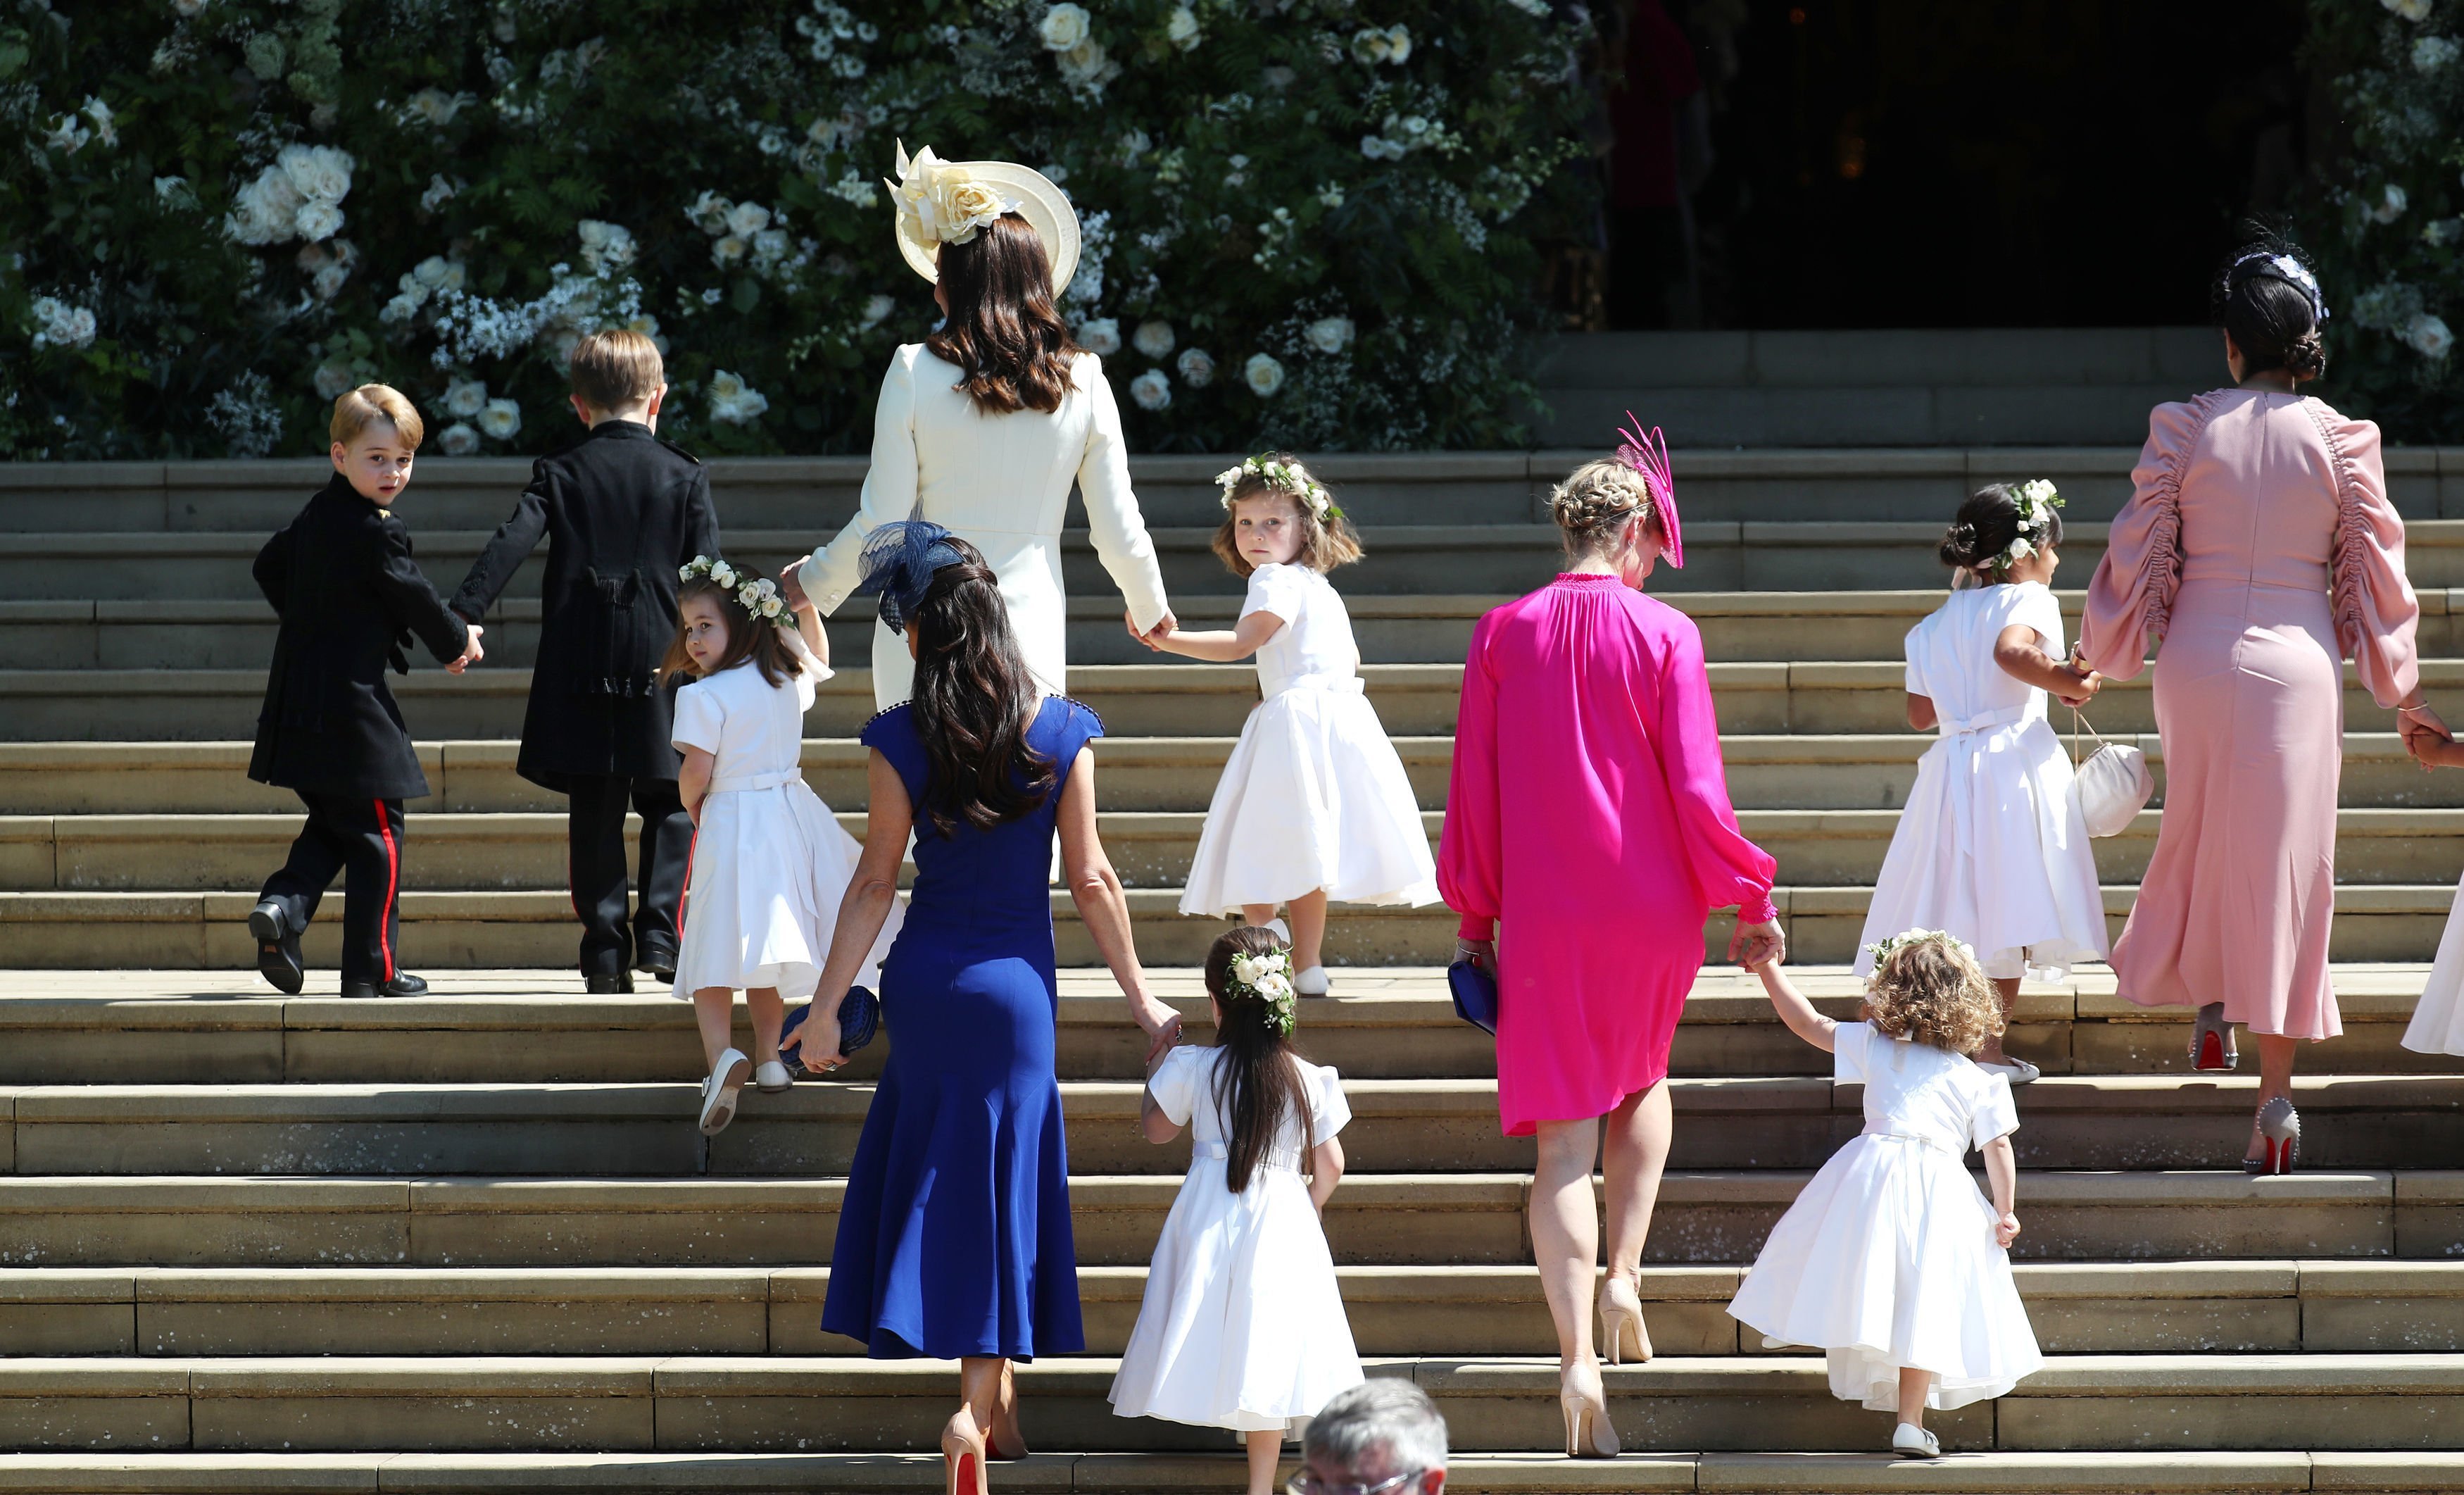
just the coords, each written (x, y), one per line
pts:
(1265, 979)
(1908, 939)
(760, 598)
(2037, 499)
(1287, 477)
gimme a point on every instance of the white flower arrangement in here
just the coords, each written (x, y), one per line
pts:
(1285, 477)
(1372, 46)
(735, 402)
(1100, 335)
(2036, 498)
(1264, 374)
(1151, 390)
(948, 205)
(1153, 338)
(458, 440)
(606, 247)
(759, 597)
(59, 325)
(1329, 333)
(1882, 951)
(298, 196)
(1197, 367)
(1266, 979)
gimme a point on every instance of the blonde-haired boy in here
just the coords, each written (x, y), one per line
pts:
(622, 510)
(342, 579)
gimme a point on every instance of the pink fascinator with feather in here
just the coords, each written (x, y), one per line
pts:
(1648, 456)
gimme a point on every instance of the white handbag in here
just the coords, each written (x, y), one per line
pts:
(2112, 786)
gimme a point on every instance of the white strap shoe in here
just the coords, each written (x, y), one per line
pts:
(772, 1078)
(1914, 1442)
(718, 1091)
(1311, 983)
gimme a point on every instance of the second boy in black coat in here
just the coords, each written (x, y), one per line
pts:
(622, 511)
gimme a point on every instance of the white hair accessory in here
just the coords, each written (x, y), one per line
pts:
(2283, 267)
(1282, 477)
(949, 202)
(2037, 499)
(1907, 938)
(761, 599)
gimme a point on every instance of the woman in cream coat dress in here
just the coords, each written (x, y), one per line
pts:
(962, 436)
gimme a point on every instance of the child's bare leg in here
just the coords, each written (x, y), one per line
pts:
(1257, 914)
(1308, 930)
(1266, 1452)
(1991, 1053)
(715, 1013)
(769, 1015)
(1913, 1386)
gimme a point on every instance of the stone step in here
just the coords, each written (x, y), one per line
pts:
(1381, 1023)
(644, 1129)
(450, 931)
(1374, 1218)
(526, 851)
(1784, 771)
(605, 1404)
(2215, 1472)
(2075, 1307)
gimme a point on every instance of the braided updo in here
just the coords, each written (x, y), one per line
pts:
(1593, 502)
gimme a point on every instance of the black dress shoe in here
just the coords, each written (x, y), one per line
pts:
(277, 947)
(656, 962)
(617, 983)
(403, 985)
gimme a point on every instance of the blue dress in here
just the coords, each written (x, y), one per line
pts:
(955, 1238)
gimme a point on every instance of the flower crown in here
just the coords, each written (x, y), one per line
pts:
(1909, 938)
(1282, 477)
(2038, 500)
(1265, 979)
(761, 598)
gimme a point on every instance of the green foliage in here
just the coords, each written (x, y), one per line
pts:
(2386, 221)
(226, 211)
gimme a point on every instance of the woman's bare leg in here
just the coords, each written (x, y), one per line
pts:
(1266, 1452)
(1991, 1053)
(1637, 1150)
(980, 1379)
(1566, 1231)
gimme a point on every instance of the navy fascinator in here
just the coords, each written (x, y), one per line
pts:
(899, 560)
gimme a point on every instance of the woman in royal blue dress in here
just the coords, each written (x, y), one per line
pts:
(954, 1243)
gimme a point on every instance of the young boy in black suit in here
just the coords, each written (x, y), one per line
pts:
(350, 598)
(623, 511)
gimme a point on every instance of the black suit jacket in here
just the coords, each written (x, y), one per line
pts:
(622, 511)
(351, 598)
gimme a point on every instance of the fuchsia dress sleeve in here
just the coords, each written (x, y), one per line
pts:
(1588, 822)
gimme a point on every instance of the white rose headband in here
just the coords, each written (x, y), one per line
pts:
(1266, 979)
(2037, 499)
(1282, 477)
(1908, 939)
(761, 598)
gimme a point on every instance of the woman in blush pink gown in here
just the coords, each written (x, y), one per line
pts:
(2259, 546)
(1589, 813)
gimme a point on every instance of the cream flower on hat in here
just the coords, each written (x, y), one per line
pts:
(949, 202)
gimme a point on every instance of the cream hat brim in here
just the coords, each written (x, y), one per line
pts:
(1040, 203)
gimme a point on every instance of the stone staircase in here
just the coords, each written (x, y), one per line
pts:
(472, 1244)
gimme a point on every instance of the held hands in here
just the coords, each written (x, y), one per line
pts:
(791, 589)
(2089, 683)
(472, 653)
(1153, 638)
(2006, 1229)
(1754, 945)
(2425, 736)
(1160, 1023)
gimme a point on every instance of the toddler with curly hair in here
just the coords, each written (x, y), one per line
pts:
(1890, 1262)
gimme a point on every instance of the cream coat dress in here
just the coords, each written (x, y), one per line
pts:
(1000, 482)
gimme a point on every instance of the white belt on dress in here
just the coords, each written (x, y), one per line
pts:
(1984, 721)
(1936, 1144)
(734, 782)
(1283, 1157)
(1346, 685)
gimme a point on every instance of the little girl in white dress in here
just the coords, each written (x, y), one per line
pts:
(1990, 846)
(2437, 1026)
(1242, 1326)
(1890, 1262)
(770, 864)
(1313, 803)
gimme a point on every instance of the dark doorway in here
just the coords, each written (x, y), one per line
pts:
(1943, 163)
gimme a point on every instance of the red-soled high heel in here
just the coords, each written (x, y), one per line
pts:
(962, 1456)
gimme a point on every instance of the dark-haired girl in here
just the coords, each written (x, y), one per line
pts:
(1242, 1326)
(984, 425)
(1990, 846)
(2259, 545)
(953, 1242)
(770, 864)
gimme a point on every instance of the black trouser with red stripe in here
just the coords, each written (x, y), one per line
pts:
(362, 838)
(595, 867)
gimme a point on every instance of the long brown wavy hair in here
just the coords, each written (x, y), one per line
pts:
(1011, 347)
(1259, 1082)
(974, 700)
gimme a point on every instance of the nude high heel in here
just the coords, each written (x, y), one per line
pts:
(1004, 1442)
(2212, 1040)
(1621, 1311)
(962, 1457)
(1585, 1402)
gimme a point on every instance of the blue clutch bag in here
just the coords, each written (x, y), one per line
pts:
(1475, 994)
(859, 1019)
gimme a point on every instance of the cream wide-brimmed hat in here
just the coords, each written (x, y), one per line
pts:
(949, 201)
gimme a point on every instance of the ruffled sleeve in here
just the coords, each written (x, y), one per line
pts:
(2130, 602)
(1728, 869)
(699, 715)
(1471, 852)
(2376, 613)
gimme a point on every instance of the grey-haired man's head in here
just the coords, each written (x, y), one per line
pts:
(1382, 1430)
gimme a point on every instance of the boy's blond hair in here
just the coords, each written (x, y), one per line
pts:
(616, 370)
(1932, 991)
(367, 405)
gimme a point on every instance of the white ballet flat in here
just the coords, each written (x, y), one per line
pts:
(718, 1091)
(1311, 983)
(772, 1078)
(1915, 1442)
(2019, 1072)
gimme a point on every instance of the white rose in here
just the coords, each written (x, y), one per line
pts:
(1100, 335)
(1275, 987)
(319, 219)
(330, 279)
(722, 572)
(726, 251)
(606, 245)
(1369, 47)
(2429, 336)
(1265, 375)
(732, 401)
(1151, 390)
(1247, 969)
(1197, 367)
(1180, 29)
(266, 211)
(77, 328)
(402, 308)
(2410, 10)
(770, 245)
(333, 380)
(500, 419)
(770, 607)
(1153, 338)
(173, 192)
(646, 324)
(457, 440)
(320, 173)
(1329, 333)
(962, 206)
(104, 130)
(2392, 203)
(1085, 63)
(456, 273)
(1064, 26)
(2019, 550)
(877, 309)
(1399, 44)
(747, 219)
(465, 398)
(428, 272)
